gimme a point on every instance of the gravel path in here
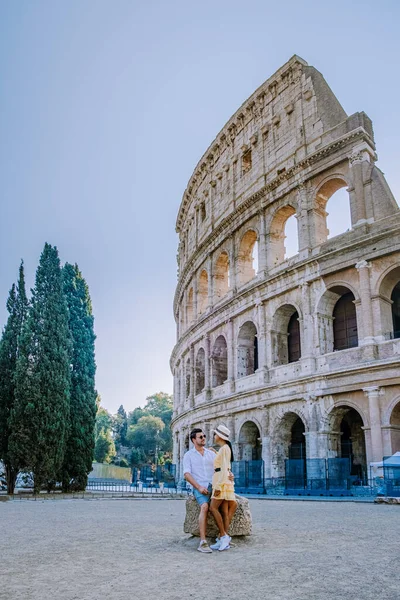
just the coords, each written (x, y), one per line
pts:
(135, 549)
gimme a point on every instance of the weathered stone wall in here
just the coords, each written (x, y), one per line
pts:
(286, 152)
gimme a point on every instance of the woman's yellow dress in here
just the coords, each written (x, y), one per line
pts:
(220, 480)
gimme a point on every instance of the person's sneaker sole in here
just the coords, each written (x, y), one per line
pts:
(205, 550)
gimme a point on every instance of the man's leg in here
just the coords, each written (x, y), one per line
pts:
(203, 520)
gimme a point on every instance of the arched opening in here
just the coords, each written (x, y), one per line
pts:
(347, 441)
(291, 238)
(247, 350)
(289, 442)
(189, 307)
(389, 300)
(200, 370)
(221, 276)
(395, 429)
(333, 211)
(249, 446)
(187, 378)
(345, 333)
(395, 298)
(337, 323)
(246, 257)
(276, 251)
(286, 342)
(297, 445)
(202, 292)
(294, 346)
(187, 442)
(219, 359)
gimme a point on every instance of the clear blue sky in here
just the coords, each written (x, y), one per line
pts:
(105, 109)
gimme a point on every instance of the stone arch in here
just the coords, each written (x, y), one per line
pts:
(346, 437)
(219, 358)
(387, 413)
(287, 431)
(285, 335)
(200, 371)
(247, 350)
(344, 333)
(247, 261)
(389, 300)
(202, 293)
(395, 427)
(249, 441)
(276, 239)
(221, 275)
(327, 223)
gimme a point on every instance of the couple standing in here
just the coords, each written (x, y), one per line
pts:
(209, 473)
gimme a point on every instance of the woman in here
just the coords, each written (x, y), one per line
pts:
(223, 493)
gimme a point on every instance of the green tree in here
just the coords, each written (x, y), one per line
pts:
(104, 420)
(160, 405)
(104, 450)
(137, 457)
(39, 418)
(17, 306)
(120, 427)
(135, 415)
(146, 434)
(79, 449)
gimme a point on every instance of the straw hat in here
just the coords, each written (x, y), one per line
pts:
(223, 432)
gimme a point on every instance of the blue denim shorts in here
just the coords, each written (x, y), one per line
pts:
(202, 498)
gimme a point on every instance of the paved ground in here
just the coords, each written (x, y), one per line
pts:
(135, 549)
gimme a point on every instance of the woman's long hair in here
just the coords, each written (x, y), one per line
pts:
(230, 446)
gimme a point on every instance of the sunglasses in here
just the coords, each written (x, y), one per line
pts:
(202, 437)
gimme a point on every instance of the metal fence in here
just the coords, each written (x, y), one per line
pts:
(391, 476)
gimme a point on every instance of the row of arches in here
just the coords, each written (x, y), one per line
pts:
(337, 328)
(344, 436)
(283, 243)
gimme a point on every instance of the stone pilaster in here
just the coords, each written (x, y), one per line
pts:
(262, 340)
(363, 268)
(262, 245)
(231, 355)
(192, 371)
(373, 394)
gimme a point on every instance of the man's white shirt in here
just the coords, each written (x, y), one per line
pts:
(199, 466)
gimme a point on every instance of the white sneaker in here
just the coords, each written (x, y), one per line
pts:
(216, 545)
(204, 547)
(225, 541)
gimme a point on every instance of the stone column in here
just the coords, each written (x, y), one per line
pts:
(231, 356)
(266, 442)
(195, 299)
(366, 307)
(307, 340)
(262, 245)
(233, 266)
(210, 282)
(179, 466)
(191, 395)
(207, 370)
(262, 341)
(358, 159)
(175, 451)
(303, 222)
(373, 394)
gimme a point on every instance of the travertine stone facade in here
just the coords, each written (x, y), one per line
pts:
(301, 355)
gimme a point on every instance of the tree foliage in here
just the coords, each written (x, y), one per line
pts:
(40, 416)
(104, 450)
(17, 306)
(79, 449)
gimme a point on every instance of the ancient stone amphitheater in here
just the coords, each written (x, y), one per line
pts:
(298, 355)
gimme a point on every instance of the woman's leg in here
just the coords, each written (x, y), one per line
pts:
(224, 510)
(232, 506)
(214, 508)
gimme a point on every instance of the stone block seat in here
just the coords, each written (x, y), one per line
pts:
(241, 522)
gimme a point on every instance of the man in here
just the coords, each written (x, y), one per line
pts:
(198, 470)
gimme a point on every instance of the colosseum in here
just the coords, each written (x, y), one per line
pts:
(286, 333)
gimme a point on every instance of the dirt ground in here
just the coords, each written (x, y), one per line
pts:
(134, 549)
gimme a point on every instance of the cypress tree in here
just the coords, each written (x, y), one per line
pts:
(80, 444)
(17, 305)
(39, 419)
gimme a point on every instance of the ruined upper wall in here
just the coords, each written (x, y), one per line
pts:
(292, 115)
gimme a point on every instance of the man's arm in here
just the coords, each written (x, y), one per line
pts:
(190, 479)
